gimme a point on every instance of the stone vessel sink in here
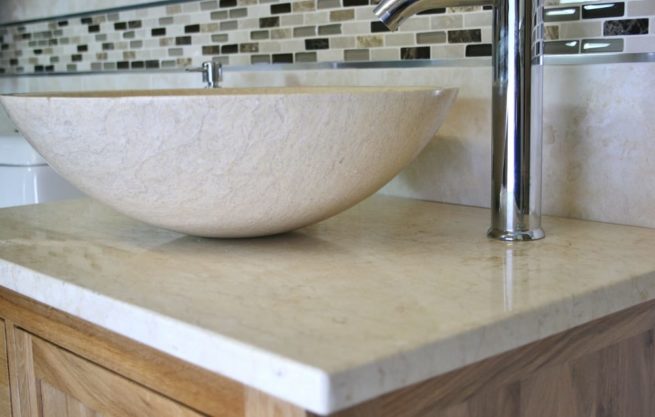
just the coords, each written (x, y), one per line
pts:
(231, 162)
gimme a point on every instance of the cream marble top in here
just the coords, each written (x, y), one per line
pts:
(386, 294)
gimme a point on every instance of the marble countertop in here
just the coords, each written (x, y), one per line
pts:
(386, 294)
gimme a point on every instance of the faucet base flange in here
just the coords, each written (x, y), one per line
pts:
(516, 235)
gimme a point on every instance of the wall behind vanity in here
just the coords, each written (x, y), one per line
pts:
(599, 136)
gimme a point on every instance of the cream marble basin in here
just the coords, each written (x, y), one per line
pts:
(231, 162)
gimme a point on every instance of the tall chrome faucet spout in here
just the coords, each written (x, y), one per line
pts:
(517, 91)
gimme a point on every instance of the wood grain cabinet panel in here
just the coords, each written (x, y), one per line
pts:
(56, 403)
(62, 367)
(605, 368)
(618, 380)
(206, 392)
(5, 402)
(52, 382)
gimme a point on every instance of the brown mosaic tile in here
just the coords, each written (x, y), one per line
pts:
(303, 6)
(229, 25)
(209, 27)
(209, 5)
(174, 9)
(369, 41)
(238, 13)
(464, 36)
(206, 50)
(333, 29)
(260, 59)
(431, 37)
(282, 59)
(304, 31)
(249, 47)
(220, 37)
(219, 15)
(342, 15)
(318, 43)
(551, 33)
(328, 4)
(280, 8)
(259, 34)
(281, 33)
(357, 55)
(269, 22)
(421, 52)
(306, 57)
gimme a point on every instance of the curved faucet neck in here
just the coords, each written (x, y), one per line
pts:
(394, 12)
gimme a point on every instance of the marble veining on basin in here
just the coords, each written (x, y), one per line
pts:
(231, 162)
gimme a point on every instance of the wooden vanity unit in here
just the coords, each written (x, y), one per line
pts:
(61, 366)
(400, 308)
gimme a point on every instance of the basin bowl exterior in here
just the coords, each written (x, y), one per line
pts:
(231, 162)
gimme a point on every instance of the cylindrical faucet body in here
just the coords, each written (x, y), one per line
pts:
(517, 120)
(516, 108)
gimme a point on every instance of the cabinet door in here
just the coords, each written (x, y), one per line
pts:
(53, 382)
(5, 403)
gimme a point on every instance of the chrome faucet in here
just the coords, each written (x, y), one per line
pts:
(212, 73)
(516, 108)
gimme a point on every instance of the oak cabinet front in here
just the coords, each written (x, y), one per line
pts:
(59, 366)
(5, 402)
(53, 382)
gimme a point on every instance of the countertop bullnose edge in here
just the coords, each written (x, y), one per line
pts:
(297, 383)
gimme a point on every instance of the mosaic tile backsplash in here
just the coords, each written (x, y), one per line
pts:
(245, 32)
